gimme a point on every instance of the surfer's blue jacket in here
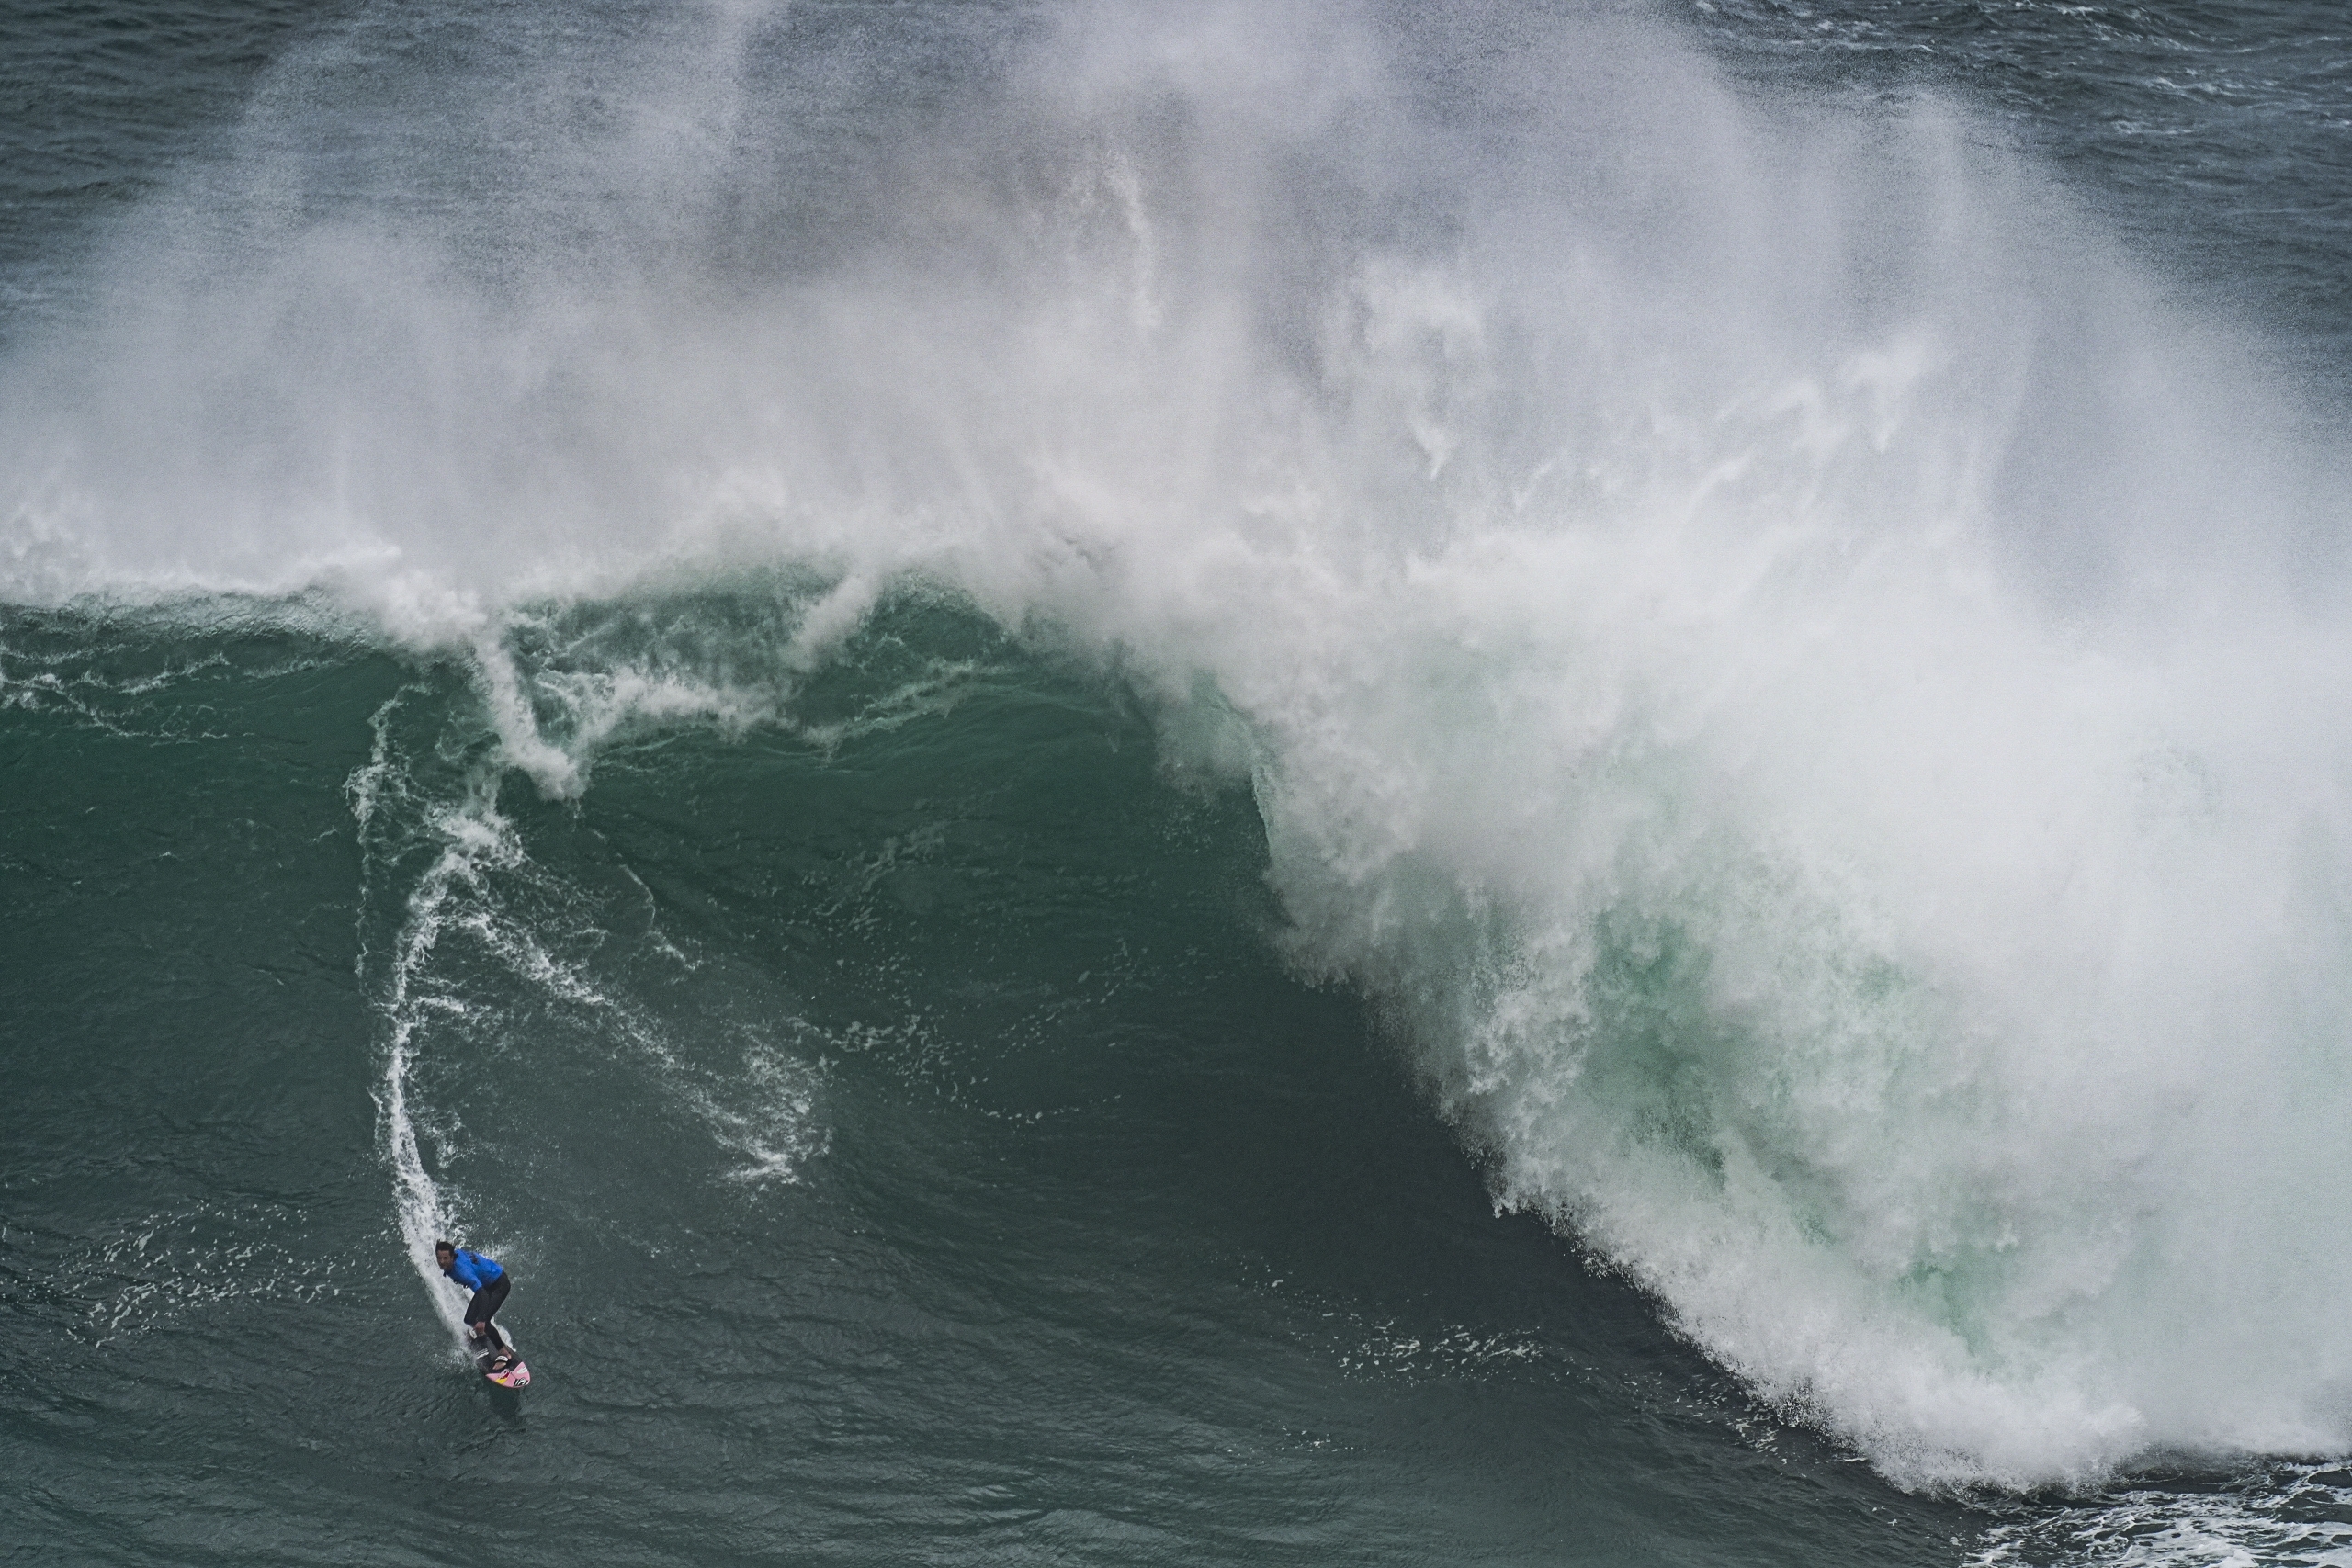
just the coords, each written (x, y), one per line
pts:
(472, 1270)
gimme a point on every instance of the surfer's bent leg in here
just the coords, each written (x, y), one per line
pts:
(479, 1311)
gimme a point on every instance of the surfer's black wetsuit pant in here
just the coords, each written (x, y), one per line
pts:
(486, 1301)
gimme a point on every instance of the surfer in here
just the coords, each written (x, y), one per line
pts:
(490, 1284)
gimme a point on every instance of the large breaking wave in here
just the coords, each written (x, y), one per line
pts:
(1799, 683)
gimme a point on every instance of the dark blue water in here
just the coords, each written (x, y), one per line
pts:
(2217, 138)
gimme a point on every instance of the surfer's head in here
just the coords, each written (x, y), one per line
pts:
(444, 1252)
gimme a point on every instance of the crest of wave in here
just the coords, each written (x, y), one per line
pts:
(1806, 692)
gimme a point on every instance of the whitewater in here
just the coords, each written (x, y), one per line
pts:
(1793, 667)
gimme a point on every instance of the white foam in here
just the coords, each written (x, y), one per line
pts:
(2290, 1513)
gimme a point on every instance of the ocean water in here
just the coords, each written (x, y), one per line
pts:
(1507, 783)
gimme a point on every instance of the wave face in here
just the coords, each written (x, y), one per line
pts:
(906, 1142)
(1794, 673)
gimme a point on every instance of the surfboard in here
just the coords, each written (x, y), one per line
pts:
(517, 1374)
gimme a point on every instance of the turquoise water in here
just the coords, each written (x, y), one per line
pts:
(1516, 785)
(905, 1141)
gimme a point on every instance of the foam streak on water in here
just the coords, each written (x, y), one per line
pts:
(760, 1111)
(424, 1216)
